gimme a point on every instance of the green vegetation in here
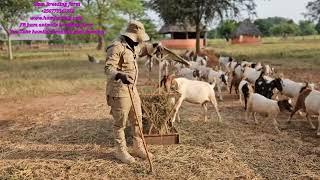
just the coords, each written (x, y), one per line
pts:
(272, 26)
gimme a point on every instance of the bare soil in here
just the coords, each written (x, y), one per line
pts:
(70, 137)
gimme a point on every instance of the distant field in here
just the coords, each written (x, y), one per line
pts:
(294, 51)
(39, 73)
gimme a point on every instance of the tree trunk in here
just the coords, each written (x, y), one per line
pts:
(100, 36)
(198, 38)
(100, 42)
(10, 56)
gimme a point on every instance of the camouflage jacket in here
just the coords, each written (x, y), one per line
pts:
(122, 58)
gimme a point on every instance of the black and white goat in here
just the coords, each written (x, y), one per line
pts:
(262, 105)
(220, 78)
(265, 88)
(244, 89)
(189, 73)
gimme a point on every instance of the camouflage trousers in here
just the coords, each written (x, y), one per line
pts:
(122, 110)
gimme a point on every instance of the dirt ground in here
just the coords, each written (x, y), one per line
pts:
(70, 137)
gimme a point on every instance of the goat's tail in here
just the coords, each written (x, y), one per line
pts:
(304, 87)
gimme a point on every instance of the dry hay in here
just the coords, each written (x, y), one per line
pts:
(157, 108)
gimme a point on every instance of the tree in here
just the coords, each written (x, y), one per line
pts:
(55, 39)
(11, 13)
(307, 28)
(225, 28)
(199, 12)
(285, 29)
(212, 34)
(266, 25)
(313, 9)
(107, 13)
(150, 28)
(318, 27)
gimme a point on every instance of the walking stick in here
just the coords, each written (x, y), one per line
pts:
(140, 129)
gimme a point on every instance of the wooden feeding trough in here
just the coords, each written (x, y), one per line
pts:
(158, 106)
(157, 110)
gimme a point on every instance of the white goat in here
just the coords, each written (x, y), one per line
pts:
(196, 92)
(260, 104)
(231, 66)
(246, 63)
(189, 73)
(220, 78)
(251, 74)
(292, 89)
(223, 62)
(309, 101)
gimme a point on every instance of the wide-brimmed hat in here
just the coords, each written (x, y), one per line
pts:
(135, 29)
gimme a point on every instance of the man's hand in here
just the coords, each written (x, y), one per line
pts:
(125, 78)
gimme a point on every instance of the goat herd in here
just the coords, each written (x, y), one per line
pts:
(263, 92)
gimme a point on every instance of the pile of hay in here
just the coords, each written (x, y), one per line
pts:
(157, 110)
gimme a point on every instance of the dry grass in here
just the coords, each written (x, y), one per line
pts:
(71, 137)
(55, 73)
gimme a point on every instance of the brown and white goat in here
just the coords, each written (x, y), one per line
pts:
(309, 102)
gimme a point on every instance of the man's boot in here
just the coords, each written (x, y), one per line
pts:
(138, 148)
(121, 151)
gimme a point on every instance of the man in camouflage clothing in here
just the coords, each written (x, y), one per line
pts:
(122, 71)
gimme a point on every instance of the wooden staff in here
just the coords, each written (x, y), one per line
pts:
(140, 129)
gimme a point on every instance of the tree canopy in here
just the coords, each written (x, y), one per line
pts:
(225, 28)
(109, 15)
(199, 12)
(313, 9)
(307, 28)
(11, 13)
